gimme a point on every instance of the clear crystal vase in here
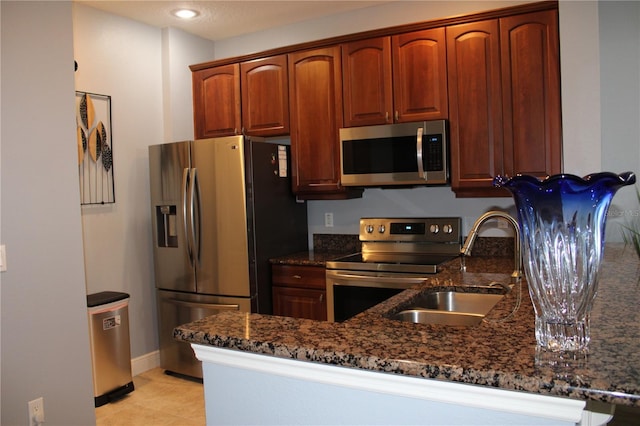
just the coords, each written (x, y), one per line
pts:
(562, 220)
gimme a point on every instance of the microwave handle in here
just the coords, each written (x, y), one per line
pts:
(421, 172)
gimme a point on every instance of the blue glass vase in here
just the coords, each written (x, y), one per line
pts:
(562, 220)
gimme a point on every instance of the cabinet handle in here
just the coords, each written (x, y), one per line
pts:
(386, 116)
(321, 296)
(297, 277)
(397, 115)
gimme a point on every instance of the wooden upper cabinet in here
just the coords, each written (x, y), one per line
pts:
(504, 100)
(531, 94)
(475, 105)
(420, 75)
(366, 79)
(315, 98)
(495, 76)
(265, 96)
(216, 101)
(401, 78)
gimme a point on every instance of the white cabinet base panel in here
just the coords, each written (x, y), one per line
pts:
(248, 388)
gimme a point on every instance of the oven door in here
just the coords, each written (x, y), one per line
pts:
(352, 292)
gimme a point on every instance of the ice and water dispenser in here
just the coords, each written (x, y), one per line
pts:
(167, 231)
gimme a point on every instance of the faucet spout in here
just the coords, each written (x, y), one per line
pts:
(516, 276)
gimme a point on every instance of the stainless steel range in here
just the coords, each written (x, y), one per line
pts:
(397, 253)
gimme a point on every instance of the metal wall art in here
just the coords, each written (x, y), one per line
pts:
(95, 148)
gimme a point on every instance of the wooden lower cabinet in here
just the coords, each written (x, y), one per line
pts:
(299, 291)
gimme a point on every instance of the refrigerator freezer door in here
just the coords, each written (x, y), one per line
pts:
(222, 252)
(167, 165)
(277, 223)
(176, 308)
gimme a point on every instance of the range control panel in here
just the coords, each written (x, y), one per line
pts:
(433, 229)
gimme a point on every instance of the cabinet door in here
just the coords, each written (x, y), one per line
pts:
(420, 75)
(299, 303)
(265, 96)
(216, 101)
(366, 79)
(475, 107)
(531, 94)
(299, 291)
(315, 97)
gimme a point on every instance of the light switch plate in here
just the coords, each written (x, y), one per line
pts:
(328, 220)
(3, 258)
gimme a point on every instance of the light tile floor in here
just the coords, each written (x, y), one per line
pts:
(158, 399)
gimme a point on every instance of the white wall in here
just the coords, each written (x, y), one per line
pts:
(180, 50)
(619, 24)
(45, 339)
(123, 59)
(374, 17)
(278, 397)
(145, 71)
(580, 78)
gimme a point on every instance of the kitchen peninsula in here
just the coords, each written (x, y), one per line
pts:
(371, 369)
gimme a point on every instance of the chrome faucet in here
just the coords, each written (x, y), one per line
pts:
(516, 276)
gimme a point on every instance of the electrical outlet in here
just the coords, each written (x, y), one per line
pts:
(502, 224)
(36, 412)
(328, 220)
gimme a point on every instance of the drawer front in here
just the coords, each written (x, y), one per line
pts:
(299, 276)
(299, 303)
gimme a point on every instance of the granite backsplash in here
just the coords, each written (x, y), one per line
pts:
(336, 243)
(347, 243)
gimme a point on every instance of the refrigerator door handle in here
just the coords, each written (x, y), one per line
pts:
(195, 214)
(217, 306)
(186, 183)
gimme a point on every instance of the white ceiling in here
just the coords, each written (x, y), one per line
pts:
(223, 19)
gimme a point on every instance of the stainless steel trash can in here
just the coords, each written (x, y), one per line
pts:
(110, 347)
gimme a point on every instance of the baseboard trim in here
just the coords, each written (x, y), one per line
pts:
(145, 362)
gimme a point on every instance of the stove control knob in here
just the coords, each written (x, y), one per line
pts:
(369, 229)
(447, 229)
(381, 229)
(434, 229)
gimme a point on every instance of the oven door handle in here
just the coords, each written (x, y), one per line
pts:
(374, 281)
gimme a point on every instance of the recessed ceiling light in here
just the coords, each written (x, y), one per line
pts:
(185, 13)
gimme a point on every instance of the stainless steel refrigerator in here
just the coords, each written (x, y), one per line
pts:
(221, 209)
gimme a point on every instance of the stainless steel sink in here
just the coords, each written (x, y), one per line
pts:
(430, 316)
(448, 308)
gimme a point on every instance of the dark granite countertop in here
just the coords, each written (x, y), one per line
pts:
(307, 258)
(326, 247)
(495, 354)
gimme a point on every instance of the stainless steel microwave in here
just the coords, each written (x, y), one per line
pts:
(404, 154)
